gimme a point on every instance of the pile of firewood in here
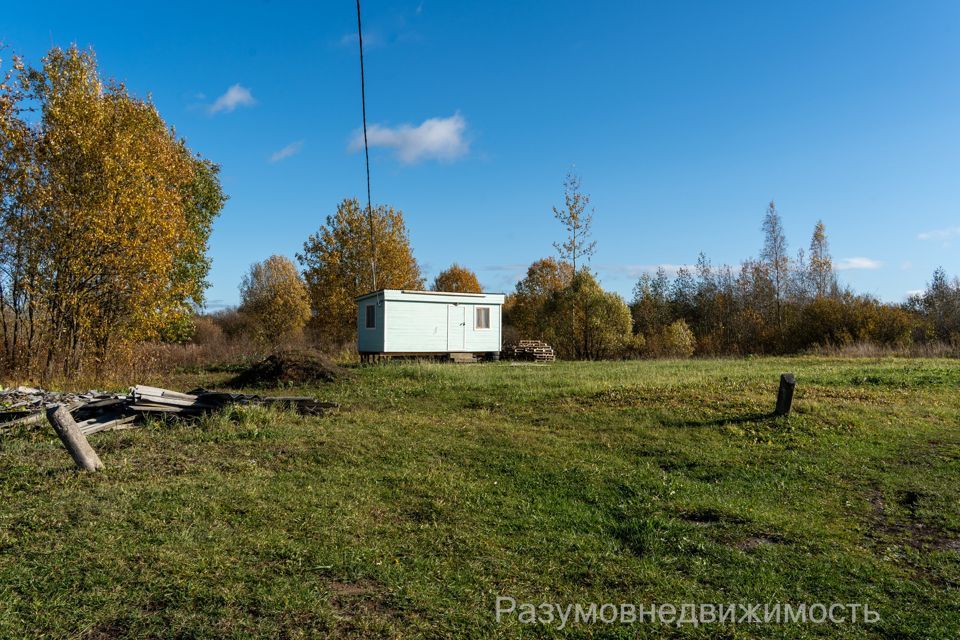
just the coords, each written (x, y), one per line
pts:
(535, 350)
(75, 416)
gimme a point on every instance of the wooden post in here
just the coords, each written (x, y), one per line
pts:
(785, 394)
(75, 442)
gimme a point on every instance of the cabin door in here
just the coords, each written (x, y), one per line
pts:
(456, 326)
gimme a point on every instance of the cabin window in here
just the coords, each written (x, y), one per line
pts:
(371, 316)
(483, 318)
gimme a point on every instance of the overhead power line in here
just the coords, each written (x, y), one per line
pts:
(366, 153)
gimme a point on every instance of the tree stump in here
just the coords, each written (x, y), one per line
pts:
(785, 395)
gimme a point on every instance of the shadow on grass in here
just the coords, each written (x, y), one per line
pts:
(719, 422)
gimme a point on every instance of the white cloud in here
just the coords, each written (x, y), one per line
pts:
(636, 270)
(848, 264)
(236, 96)
(216, 304)
(291, 149)
(940, 234)
(516, 266)
(915, 292)
(436, 139)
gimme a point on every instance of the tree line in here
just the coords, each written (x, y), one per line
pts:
(281, 304)
(105, 216)
(778, 303)
(775, 304)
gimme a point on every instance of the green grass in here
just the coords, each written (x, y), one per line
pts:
(438, 488)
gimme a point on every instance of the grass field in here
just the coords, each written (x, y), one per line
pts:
(438, 488)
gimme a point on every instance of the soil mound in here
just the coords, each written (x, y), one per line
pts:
(290, 367)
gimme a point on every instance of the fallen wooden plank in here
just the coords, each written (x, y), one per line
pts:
(157, 408)
(34, 418)
(157, 392)
(107, 423)
(29, 419)
(106, 402)
(103, 412)
(174, 402)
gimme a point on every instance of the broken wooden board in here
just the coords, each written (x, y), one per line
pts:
(95, 412)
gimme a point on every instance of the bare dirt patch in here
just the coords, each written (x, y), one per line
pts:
(755, 542)
(910, 529)
(358, 600)
(351, 589)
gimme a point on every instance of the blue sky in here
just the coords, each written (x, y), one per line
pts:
(683, 118)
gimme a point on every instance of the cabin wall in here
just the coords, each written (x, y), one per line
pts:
(408, 322)
(416, 327)
(370, 340)
(421, 327)
(482, 339)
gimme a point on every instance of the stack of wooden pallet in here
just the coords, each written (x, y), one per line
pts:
(535, 350)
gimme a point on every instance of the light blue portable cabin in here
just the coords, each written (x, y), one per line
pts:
(393, 323)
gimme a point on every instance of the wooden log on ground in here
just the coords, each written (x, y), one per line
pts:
(75, 442)
(34, 418)
(785, 394)
(26, 420)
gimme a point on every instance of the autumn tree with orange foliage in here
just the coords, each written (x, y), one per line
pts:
(457, 279)
(336, 263)
(524, 309)
(99, 247)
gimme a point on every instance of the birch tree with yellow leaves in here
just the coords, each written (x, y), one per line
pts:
(104, 220)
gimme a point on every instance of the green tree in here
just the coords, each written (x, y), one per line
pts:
(19, 268)
(651, 303)
(752, 329)
(601, 323)
(203, 199)
(940, 305)
(675, 340)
